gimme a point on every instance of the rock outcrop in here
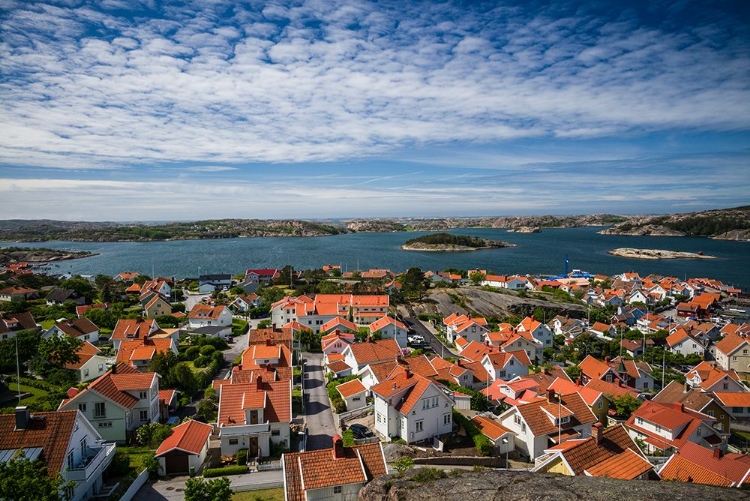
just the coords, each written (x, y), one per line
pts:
(525, 486)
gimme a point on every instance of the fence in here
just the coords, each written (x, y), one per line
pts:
(135, 486)
(349, 415)
(257, 486)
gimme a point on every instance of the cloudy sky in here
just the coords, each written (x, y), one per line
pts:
(158, 110)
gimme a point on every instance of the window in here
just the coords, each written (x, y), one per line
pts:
(737, 410)
(435, 401)
(337, 489)
(744, 352)
(726, 386)
(356, 399)
(600, 404)
(233, 441)
(105, 424)
(70, 460)
(82, 407)
(143, 394)
(426, 403)
(734, 359)
(85, 373)
(275, 433)
(100, 410)
(446, 419)
(639, 421)
(645, 385)
(419, 426)
(517, 419)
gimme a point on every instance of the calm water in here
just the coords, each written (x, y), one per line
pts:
(536, 253)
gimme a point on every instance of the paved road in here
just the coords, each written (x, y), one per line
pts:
(431, 341)
(318, 416)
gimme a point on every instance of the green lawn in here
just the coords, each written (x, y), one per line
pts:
(136, 455)
(47, 324)
(745, 435)
(261, 495)
(196, 370)
(36, 393)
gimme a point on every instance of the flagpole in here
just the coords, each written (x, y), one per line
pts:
(18, 371)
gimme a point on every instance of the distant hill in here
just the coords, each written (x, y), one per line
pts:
(721, 224)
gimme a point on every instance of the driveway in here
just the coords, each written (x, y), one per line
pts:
(431, 341)
(318, 415)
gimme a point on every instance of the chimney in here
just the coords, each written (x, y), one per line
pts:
(338, 447)
(23, 417)
(394, 385)
(259, 382)
(679, 407)
(606, 359)
(407, 369)
(717, 453)
(268, 342)
(545, 370)
(550, 395)
(598, 433)
(114, 368)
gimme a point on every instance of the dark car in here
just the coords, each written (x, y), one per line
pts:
(361, 431)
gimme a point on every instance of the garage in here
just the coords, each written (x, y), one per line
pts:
(177, 462)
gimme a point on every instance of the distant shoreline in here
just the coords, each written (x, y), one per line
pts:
(632, 253)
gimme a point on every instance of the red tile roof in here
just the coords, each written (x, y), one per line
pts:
(142, 349)
(696, 464)
(115, 386)
(375, 351)
(278, 402)
(541, 423)
(133, 329)
(190, 437)
(86, 352)
(205, 311)
(627, 466)
(490, 428)
(384, 322)
(413, 384)
(730, 343)
(351, 388)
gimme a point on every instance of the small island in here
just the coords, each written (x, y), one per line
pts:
(525, 229)
(10, 255)
(657, 254)
(445, 242)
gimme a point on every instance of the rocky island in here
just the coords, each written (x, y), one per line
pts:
(525, 229)
(657, 254)
(720, 224)
(445, 242)
(10, 255)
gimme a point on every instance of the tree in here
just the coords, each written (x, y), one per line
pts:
(477, 277)
(167, 321)
(162, 363)
(182, 378)
(24, 480)
(152, 434)
(57, 351)
(82, 286)
(414, 283)
(217, 489)
(626, 404)
(28, 344)
(102, 318)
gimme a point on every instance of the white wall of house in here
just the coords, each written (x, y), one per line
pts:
(687, 346)
(391, 331)
(345, 492)
(236, 438)
(93, 368)
(356, 401)
(85, 441)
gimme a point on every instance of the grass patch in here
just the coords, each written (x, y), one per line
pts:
(260, 495)
(425, 475)
(745, 435)
(47, 324)
(197, 371)
(36, 394)
(136, 455)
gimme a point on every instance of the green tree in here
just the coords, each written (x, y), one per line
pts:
(414, 283)
(182, 378)
(28, 347)
(198, 489)
(403, 464)
(167, 321)
(152, 434)
(162, 363)
(57, 351)
(24, 480)
(477, 277)
(626, 404)
(102, 318)
(80, 285)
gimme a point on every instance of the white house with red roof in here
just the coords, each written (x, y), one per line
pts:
(711, 377)
(359, 355)
(506, 366)
(682, 342)
(81, 328)
(91, 363)
(339, 323)
(665, 428)
(736, 404)
(185, 450)
(204, 315)
(390, 328)
(132, 329)
(733, 353)
(592, 368)
(335, 342)
(538, 330)
(139, 353)
(254, 416)
(118, 402)
(466, 327)
(353, 392)
(412, 407)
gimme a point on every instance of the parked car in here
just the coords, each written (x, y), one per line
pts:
(361, 431)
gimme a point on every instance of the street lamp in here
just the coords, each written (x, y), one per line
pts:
(505, 443)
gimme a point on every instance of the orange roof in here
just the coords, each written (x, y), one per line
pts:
(321, 468)
(693, 463)
(52, 431)
(232, 399)
(735, 399)
(133, 288)
(414, 384)
(133, 329)
(205, 311)
(595, 369)
(115, 386)
(490, 428)
(384, 322)
(167, 396)
(375, 351)
(564, 386)
(374, 300)
(351, 388)
(541, 423)
(338, 366)
(86, 352)
(143, 349)
(475, 351)
(420, 365)
(338, 323)
(730, 343)
(670, 417)
(190, 437)
(627, 466)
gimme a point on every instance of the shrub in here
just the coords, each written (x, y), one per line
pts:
(242, 457)
(201, 361)
(228, 470)
(428, 475)
(348, 437)
(403, 464)
(192, 352)
(152, 434)
(207, 350)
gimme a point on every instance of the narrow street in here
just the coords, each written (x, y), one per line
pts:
(317, 410)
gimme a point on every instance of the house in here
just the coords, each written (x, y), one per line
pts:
(634, 374)
(548, 421)
(733, 353)
(138, 353)
(682, 342)
(91, 363)
(353, 392)
(17, 293)
(185, 450)
(665, 428)
(313, 313)
(132, 329)
(506, 366)
(538, 330)
(571, 328)
(503, 439)
(263, 275)
(156, 286)
(412, 407)
(81, 310)
(697, 400)
(711, 377)
(452, 372)
(67, 444)
(591, 368)
(608, 452)
(13, 323)
(254, 416)
(390, 328)
(59, 297)
(632, 348)
(245, 303)
(126, 276)
(518, 341)
(216, 282)
(271, 336)
(368, 308)
(603, 331)
(699, 465)
(468, 328)
(203, 315)
(340, 324)
(81, 328)
(338, 473)
(335, 342)
(736, 404)
(358, 355)
(118, 402)
(598, 401)
(270, 356)
(155, 305)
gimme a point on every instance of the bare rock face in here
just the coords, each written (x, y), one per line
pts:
(524, 486)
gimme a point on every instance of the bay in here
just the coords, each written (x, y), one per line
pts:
(536, 253)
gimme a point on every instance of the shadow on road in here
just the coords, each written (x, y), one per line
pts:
(317, 442)
(316, 408)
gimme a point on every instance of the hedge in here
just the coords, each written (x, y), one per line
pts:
(227, 470)
(481, 442)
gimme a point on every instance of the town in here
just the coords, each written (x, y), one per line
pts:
(309, 384)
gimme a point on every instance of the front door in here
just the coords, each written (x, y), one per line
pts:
(253, 417)
(252, 447)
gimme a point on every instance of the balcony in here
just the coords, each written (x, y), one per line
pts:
(96, 461)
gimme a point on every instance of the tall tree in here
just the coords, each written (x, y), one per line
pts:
(24, 480)
(57, 351)
(414, 283)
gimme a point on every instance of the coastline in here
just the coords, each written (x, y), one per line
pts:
(655, 254)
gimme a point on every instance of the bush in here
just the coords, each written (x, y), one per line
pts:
(242, 457)
(228, 470)
(152, 434)
(201, 361)
(428, 475)
(207, 350)
(192, 352)
(348, 437)
(403, 464)
(482, 443)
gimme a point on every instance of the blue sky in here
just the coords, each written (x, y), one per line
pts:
(126, 110)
